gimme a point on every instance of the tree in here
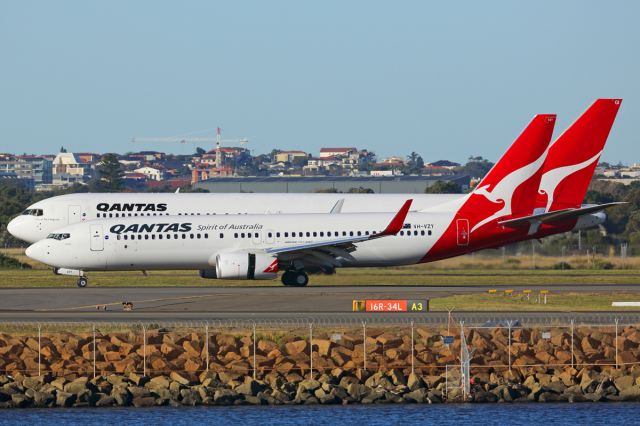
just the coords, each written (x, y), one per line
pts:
(443, 187)
(476, 167)
(63, 149)
(110, 174)
(360, 190)
(200, 151)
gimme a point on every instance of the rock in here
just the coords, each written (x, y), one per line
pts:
(397, 376)
(64, 399)
(77, 386)
(144, 401)
(43, 399)
(176, 377)
(624, 382)
(249, 387)
(324, 346)
(121, 395)
(296, 347)
(418, 395)
(630, 394)
(309, 385)
(414, 382)
(158, 382)
(32, 383)
(224, 396)
(105, 401)
(357, 391)
(484, 396)
(138, 380)
(137, 391)
(59, 383)
(21, 400)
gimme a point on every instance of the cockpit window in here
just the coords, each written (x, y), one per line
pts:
(33, 212)
(59, 237)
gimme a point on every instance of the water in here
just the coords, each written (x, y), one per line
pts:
(452, 414)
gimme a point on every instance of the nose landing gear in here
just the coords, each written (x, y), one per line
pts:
(295, 278)
(82, 282)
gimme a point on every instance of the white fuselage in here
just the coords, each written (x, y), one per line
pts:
(44, 217)
(178, 242)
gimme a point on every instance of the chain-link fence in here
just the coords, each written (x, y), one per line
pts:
(503, 350)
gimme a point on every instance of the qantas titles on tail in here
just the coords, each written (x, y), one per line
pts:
(507, 206)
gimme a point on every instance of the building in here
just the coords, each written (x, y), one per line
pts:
(310, 184)
(289, 156)
(35, 167)
(152, 173)
(337, 152)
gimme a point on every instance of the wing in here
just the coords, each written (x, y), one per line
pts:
(328, 252)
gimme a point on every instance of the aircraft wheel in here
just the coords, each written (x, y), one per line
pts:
(82, 282)
(300, 279)
(287, 278)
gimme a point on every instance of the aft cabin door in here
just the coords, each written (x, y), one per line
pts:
(463, 231)
(97, 238)
(74, 214)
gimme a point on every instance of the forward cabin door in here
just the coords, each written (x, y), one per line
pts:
(462, 226)
(97, 238)
(74, 214)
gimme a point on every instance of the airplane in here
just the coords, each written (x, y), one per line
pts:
(258, 246)
(44, 217)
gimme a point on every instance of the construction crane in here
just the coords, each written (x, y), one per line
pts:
(218, 141)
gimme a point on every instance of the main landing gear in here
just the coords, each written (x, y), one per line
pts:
(295, 278)
(82, 282)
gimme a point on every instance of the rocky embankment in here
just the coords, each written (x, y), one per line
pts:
(340, 366)
(336, 387)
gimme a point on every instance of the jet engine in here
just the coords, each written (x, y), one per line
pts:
(246, 266)
(208, 274)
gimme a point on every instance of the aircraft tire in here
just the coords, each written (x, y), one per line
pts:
(300, 279)
(82, 282)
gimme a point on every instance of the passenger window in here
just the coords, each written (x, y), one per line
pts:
(344, 233)
(268, 234)
(277, 235)
(153, 236)
(118, 237)
(256, 235)
(175, 236)
(235, 235)
(126, 237)
(401, 232)
(191, 236)
(359, 233)
(242, 234)
(184, 236)
(315, 234)
(286, 234)
(293, 234)
(139, 237)
(321, 234)
(198, 236)
(429, 232)
(206, 236)
(221, 235)
(146, 236)
(351, 233)
(159, 236)
(308, 234)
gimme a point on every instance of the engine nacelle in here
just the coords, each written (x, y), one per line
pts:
(591, 220)
(208, 274)
(246, 266)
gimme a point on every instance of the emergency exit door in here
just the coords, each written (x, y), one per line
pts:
(97, 238)
(462, 226)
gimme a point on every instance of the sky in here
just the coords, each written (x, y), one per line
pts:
(444, 79)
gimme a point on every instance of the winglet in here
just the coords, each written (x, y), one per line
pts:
(337, 208)
(398, 220)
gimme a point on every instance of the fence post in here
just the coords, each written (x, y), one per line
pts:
(310, 350)
(572, 359)
(412, 350)
(616, 342)
(144, 350)
(206, 344)
(94, 351)
(254, 351)
(39, 350)
(364, 344)
(509, 344)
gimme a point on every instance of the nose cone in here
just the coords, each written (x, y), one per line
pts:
(37, 251)
(24, 229)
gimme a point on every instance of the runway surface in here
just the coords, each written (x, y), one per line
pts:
(317, 303)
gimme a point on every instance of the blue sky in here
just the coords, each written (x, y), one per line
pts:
(444, 79)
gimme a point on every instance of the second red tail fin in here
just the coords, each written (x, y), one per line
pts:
(573, 157)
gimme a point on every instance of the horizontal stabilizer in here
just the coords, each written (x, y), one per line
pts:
(556, 216)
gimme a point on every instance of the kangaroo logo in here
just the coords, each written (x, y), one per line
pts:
(551, 179)
(503, 191)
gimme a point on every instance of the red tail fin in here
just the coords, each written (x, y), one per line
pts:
(573, 157)
(510, 186)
